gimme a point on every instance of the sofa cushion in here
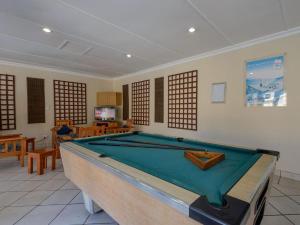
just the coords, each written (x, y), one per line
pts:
(64, 130)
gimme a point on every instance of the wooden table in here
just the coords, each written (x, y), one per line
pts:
(41, 159)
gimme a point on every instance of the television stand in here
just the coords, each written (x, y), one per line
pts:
(106, 123)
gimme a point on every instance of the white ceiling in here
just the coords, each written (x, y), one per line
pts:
(93, 36)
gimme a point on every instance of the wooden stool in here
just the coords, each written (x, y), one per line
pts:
(41, 159)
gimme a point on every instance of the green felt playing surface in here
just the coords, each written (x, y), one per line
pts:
(171, 165)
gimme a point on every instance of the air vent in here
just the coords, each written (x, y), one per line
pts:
(74, 47)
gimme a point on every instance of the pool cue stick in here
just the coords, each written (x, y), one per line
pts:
(132, 146)
(157, 144)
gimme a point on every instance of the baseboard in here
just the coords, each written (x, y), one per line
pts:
(287, 174)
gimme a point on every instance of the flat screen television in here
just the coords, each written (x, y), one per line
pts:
(105, 113)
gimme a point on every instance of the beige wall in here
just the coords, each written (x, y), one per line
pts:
(41, 129)
(232, 123)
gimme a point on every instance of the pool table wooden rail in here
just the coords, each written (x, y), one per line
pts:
(126, 203)
(139, 198)
(182, 197)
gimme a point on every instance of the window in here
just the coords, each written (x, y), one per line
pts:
(8, 102)
(125, 102)
(140, 102)
(159, 100)
(70, 101)
(36, 100)
(182, 100)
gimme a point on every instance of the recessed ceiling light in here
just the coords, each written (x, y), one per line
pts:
(128, 56)
(47, 30)
(192, 29)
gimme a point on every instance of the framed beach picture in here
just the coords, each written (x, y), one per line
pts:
(265, 82)
(218, 92)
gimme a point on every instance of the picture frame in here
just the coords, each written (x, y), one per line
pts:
(218, 92)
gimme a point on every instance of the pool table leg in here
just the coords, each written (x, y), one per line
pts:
(90, 205)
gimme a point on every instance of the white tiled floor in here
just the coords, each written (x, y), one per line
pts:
(53, 199)
(42, 200)
(282, 207)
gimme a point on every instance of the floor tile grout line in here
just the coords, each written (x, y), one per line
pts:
(35, 206)
(278, 209)
(273, 208)
(18, 198)
(19, 206)
(57, 214)
(282, 214)
(53, 191)
(28, 192)
(31, 179)
(87, 219)
(101, 223)
(69, 203)
(38, 203)
(10, 175)
(57, 188)
(62, 210)
(115, 222)
(3, 208)
(288, 196)
(10, 186)
(74, 198)
(44, 190)
(283, 195)
(32, 207)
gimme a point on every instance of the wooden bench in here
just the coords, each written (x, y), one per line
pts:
(41, 160)
(29, 141)
(90, 131)
(56, 139)
(116, 130)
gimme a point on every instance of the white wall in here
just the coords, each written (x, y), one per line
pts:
(39, 130)
(233, 123)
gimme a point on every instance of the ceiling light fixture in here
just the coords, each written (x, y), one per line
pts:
(192, 29)
(128, 56)
(47, 30)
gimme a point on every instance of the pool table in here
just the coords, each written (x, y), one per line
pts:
(138, 182)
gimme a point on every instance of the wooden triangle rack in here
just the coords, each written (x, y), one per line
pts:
(204, 160)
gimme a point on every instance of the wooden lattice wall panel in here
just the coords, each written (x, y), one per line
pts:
(70, 101)
(182, 100)
(8, 102)
(140, 102)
